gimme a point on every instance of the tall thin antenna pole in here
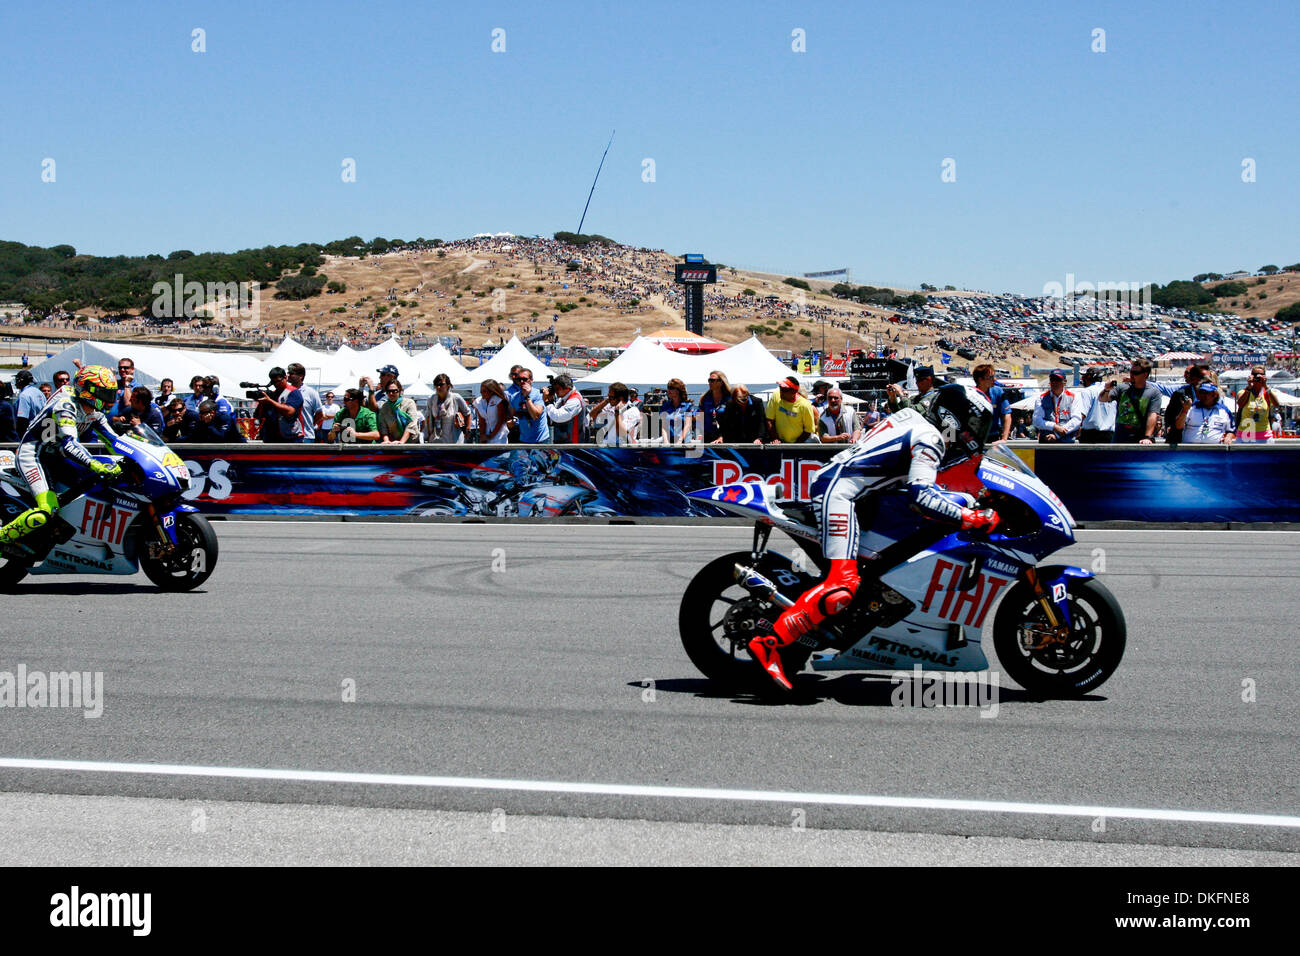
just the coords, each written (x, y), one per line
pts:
(593, 182)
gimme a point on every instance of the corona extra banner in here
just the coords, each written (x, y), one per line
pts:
(1097, 483)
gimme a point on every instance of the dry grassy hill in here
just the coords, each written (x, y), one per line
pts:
(487, 294)
(1266, 295)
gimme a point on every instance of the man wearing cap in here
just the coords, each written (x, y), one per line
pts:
(377, 396)
(1056, 413)
(1208, 422)
(898, 399)
(790, 416)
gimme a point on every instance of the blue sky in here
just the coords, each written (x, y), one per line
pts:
(1122, 165)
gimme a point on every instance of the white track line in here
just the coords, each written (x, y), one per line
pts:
(359, 522)
(633, 790)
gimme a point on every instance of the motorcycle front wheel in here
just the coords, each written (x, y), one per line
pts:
(1052, 668)
(192, 562)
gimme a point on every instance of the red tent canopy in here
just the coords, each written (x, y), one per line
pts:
(687, 342)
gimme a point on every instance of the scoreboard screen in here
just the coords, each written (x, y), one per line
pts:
(695, 272)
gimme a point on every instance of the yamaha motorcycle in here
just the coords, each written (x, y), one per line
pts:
(926, 590)
(134, 522)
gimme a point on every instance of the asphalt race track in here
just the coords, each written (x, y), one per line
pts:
(516, 678)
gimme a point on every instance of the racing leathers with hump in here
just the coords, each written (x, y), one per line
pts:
(909, 443)
(71, 414)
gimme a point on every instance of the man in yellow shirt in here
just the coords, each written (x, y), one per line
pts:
(790, 416)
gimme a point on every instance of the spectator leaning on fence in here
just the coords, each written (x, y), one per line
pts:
(712, 402)
(397, 417)
(179, 423)
(1056, 413)
(1255, 405)
(141, 410)
(1138, 402)
(566, 409)
(446, 415)
(790, 416)
(1179, 398)
(1207, 422)
(214, 427)
(837, 424)
(743, 420)
(356, 422)
(493, 411)
(676, 414)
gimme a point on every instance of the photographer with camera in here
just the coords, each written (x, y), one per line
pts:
(279, 410)
(566, 410)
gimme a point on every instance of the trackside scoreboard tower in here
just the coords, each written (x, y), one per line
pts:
(694, 274)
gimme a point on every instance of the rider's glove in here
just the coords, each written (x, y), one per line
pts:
(985, 520)
(107, 472)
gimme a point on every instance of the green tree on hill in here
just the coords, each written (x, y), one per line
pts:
(299, 287)
(582, 239)
(1228, 290)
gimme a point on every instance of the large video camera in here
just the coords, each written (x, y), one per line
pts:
(255, 390)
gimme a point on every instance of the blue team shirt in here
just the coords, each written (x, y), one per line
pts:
(531, 432)
(30, 402)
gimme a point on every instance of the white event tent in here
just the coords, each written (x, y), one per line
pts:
(498, 367)
(646, 365)
(153, 364)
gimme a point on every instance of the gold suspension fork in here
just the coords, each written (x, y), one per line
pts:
(1059, 630)
(152, 514)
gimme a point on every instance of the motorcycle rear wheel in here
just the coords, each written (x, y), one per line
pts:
(1087, 658)
(194, 537)
(719, 650)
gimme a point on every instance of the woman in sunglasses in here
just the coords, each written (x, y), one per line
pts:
(397, 416)
(712, 402)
